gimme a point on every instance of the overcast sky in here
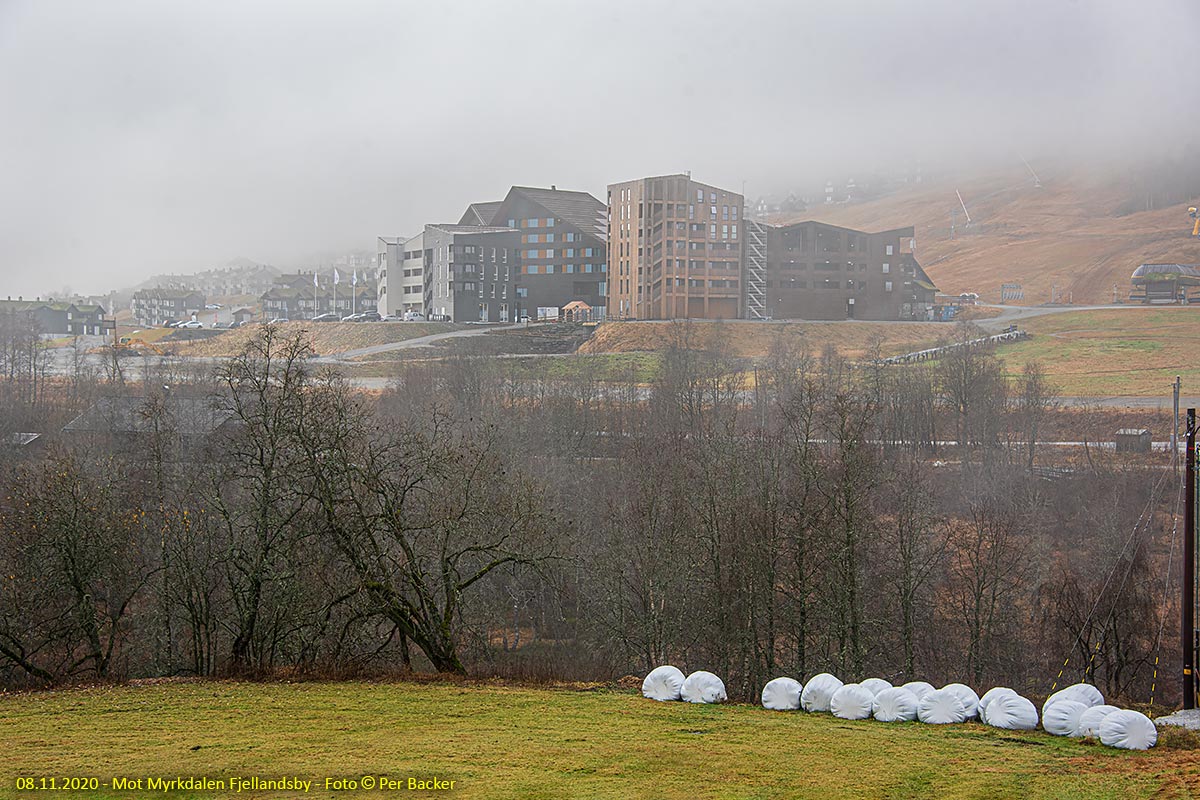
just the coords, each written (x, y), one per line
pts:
(146, 137)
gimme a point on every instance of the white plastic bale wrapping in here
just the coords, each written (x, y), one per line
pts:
(703, 687)
(988, 697)
(1079, 692)
(967, 695)
(663, 683)
(782, 694)
(895, 705)
(918, 688)
(1090, 720)
(1012, 712)
(875, 685)
(1061, 718)
(1129, 730)
(818, 692)
(941, 707)
(852, 701)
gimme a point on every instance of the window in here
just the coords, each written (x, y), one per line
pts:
(888, 249)
(887, 286)
(549, 237)
(587, 251)
(724, 212)
(512, 223)
(735, 212)
(603, 287)
(549, 222)
(712, 210)
(569, 252)
(712, 230)
(549, 269)
(724, 231)
(886, 268)
(691, 212)
(549, 254)
(587, 267)
(699, 195)
(532, 238)
(522, 291)
(532, 269)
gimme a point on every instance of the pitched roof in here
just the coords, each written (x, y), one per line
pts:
(576, 208)
(187, 416)
(480, 213)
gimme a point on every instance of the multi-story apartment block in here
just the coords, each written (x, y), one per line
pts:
(158, 305)
(470, 271)
(810, 270)
(401, 271)
(674, 250)
(563, 246)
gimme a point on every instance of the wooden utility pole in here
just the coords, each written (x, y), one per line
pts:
(1187, 627)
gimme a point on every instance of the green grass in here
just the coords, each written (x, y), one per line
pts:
(1122, 353)
(497, 742)
(609, 367)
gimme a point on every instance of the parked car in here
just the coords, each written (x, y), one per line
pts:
(331, 317)
(352, 318)
(191, 323)
(369, 316)
(278, 320)
(213, 307)
(171, 323)
(413, 316)
(391, 318)
(524, 318)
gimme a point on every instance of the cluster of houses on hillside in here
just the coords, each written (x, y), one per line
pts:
(659, 248)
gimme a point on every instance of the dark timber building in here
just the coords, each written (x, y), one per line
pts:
(564, 236)
(810, 270)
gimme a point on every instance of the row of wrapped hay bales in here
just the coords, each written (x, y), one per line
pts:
(667, 683)
(1077, 710)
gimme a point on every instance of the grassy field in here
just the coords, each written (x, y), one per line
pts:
(497, 742)
(1120, 353)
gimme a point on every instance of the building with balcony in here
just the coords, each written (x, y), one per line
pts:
(469, 272)
(159, 305)
(401, 271)
(811, 270)
(674, 250)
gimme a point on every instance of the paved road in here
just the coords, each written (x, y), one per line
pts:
(420, 341)
(1010, 314)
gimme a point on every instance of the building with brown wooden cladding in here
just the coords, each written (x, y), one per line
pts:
(674, 250)
(811, 270)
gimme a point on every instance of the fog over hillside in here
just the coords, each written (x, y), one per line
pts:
(144, 137)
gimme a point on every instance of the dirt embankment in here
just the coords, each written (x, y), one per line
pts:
(755, 340)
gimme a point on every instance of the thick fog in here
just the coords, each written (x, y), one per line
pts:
(147, 137)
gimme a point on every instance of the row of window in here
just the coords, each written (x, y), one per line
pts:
(566, 252)
(827, 283)
(534, 222)
(549, 269)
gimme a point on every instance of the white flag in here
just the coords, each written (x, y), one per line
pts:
(315, 283)
(354, 278)
(336, 278)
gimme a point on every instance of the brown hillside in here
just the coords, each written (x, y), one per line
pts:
(752, 339)
(1068, 233)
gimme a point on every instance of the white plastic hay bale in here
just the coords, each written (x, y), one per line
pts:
(918, 688)
(967, 695)
(663, 683)
(988, 697)
(875, 685)
(782, 694)
(852, 701)
(703, 687)
(941, 707)
(819, 691)
(1012, 712)
(1079, 692)
(1129, 730)
(1091, 720)
(1061, 718)
(895, 705)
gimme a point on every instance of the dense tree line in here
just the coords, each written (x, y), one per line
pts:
(803, 515)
